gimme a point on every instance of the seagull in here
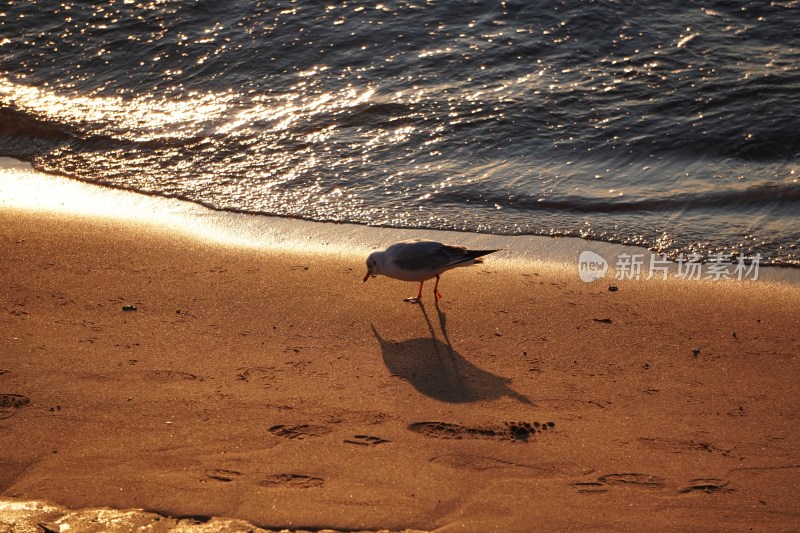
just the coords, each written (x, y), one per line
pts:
(420, 260)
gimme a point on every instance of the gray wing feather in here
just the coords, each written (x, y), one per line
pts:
(429, 255)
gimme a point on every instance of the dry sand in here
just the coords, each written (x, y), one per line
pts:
(278, 389)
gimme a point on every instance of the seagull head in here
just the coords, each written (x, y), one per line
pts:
(372, 265)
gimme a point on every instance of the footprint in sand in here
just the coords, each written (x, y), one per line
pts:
(298, 431)
(220, 474)
(517, 431)
(292, 481)
(366, 440)
(632, 481)
(590, 487)
(14, 400)
(636, 481)
(649, 482)
(9, 403)
(707, 485)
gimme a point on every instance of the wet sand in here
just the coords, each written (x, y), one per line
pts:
(140, 369)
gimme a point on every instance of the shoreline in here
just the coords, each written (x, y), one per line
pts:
(148, 368)
(26, 189)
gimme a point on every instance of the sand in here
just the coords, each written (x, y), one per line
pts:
(143, 369)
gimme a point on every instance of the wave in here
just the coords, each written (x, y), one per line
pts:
(754, 197)
(24, 135)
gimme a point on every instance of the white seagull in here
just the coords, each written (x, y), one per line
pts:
(420, 260)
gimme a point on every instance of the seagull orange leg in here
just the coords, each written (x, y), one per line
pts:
(436, 292)
(419, 295)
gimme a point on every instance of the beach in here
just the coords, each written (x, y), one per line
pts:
(189, 195)
(197, 381)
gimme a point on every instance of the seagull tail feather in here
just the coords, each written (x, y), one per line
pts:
(475, 254)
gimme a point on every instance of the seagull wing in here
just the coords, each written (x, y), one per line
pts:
(430, 255)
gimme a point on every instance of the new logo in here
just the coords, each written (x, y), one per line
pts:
(591, 266)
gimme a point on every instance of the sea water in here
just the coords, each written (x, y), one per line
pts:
(668, 125)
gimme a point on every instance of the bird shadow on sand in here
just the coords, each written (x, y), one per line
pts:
(437, 370)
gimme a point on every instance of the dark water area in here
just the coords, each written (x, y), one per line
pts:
(671, 125)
